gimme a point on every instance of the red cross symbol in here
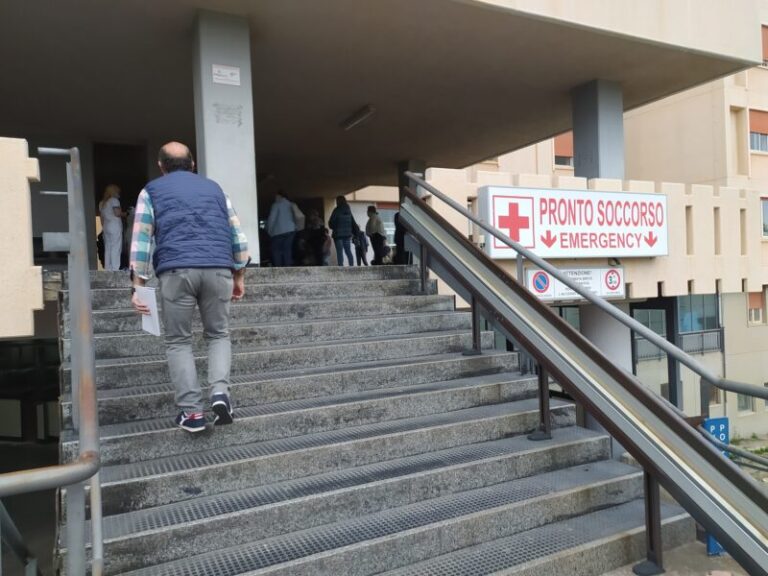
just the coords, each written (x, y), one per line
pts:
(514, 222)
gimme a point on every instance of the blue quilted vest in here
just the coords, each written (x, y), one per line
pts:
(192, 227)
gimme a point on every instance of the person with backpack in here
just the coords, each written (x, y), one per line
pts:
(344, 228)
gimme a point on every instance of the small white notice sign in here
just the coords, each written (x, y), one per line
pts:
(149, 322)
(605, 282)
(229, 75)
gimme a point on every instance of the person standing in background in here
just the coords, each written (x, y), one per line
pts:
(281, 228)
(374, 228)
(361, 248)
(344, 228)
(111, 215)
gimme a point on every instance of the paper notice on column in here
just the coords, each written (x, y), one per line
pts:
(149, 322)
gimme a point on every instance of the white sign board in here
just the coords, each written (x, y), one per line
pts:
(575, 223)
(605, 282)
(229, 75)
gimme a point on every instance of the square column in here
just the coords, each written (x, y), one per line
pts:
(598, 130)
(224, 114)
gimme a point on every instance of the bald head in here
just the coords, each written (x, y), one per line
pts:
(174, 157)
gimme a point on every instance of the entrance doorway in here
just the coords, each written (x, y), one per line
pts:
(126, 166)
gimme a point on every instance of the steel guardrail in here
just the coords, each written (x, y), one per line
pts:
(714, 490)
(604, 305)
(85, 417)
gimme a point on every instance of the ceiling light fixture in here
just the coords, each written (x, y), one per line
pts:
(358, 117)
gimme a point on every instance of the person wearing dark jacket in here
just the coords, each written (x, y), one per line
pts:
(344, 228)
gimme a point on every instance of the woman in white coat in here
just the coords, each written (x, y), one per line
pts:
(112, 225)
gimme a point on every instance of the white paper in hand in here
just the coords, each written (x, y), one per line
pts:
(149, 322)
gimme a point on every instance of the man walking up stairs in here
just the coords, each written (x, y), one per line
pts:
(200, 259)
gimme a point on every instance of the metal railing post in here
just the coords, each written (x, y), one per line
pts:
(545, 421)
(97, 539)
(423, 271)
(477, 343)
(653, 564)
(76, 529)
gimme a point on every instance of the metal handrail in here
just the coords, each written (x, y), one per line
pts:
(716, 492)
(605, 306)
(74, 474)
(11, 537)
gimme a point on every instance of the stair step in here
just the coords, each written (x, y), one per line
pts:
(149, 439)
(118, 298)
(242, 314)
(134, 344)
(395, 537)
(155, 401)
(134, 486)
(586, 545)
(166, 533)
(122, 372)
(106, 279)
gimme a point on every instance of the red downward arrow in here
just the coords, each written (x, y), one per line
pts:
(650, 239)
(549, 239)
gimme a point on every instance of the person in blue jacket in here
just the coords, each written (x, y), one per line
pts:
(344, 228)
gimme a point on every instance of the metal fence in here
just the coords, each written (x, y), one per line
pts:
(85, 468)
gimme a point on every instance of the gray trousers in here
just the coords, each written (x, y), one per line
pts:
(211, 290)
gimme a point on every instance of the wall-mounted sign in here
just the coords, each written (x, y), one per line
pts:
(575, 223)
(229, 75)
(605, 282)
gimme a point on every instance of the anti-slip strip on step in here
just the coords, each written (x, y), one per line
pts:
(505, 553)
(233, 502)
(280, 549)
(140, 426)
(139, 360)
(222, 456)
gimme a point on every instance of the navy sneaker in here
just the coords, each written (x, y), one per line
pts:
(222, 407)
(193, 422)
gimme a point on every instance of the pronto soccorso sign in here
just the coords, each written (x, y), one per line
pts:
(575, 223)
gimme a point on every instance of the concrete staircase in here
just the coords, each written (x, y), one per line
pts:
(364, 443)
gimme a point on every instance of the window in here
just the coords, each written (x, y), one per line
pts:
(758, 130)
(756, 307)
(758, 141)
(564, 149)
(764, 205)
(746, 403)
(653, 319)
(571, 315)
(764, 34)
(697, 313)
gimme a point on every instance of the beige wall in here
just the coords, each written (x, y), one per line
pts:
(22, 283)
(746, 360)
(704, 25)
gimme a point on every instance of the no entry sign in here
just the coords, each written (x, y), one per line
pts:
(575, 223)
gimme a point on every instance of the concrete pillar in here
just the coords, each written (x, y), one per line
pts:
(224, 114)
(598, 130)
(615, 341)
(417, 166)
